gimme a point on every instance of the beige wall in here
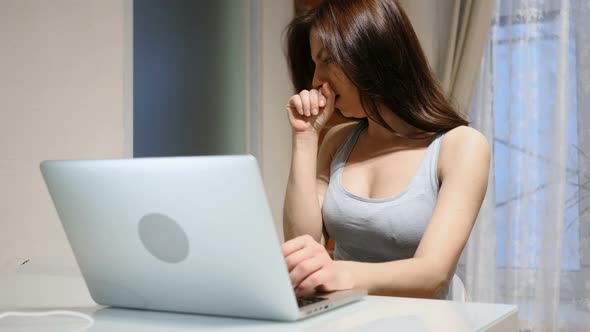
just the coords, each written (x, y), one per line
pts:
(276, 90)
(65, 92)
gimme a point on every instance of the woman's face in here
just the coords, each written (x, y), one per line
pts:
(347, 96)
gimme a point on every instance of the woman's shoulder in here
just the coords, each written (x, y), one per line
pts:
(463, 144)
(463, 137)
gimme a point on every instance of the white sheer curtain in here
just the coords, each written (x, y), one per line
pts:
(531, 243)
(453, 35)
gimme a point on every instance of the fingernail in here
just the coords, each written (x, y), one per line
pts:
(322, 102)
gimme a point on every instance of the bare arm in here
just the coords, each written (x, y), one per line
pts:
(308, 113)
(302, 210)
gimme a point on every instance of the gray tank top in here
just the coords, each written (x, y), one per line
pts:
(384, 229)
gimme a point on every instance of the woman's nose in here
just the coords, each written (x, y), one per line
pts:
(317, 80)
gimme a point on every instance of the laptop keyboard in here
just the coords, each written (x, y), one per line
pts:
(302, 302)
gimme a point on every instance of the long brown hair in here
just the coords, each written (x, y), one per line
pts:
(374, 44)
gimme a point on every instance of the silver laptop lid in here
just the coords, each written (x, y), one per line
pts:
(187, 234)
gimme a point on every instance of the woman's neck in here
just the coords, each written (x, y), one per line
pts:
(402, 131)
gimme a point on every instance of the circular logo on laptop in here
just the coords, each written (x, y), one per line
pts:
(163, 237)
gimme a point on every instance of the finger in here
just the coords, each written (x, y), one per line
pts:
(305, 269)
(312, 283)
(299, 256)
(314, 102)
(296, 244)
(306, 102)
(330, 96)
(322, 98)
(295, 103)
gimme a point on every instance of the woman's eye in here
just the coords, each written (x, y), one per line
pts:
(327, 60)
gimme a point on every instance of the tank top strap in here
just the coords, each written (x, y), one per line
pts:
(345, 149)
(432, 156)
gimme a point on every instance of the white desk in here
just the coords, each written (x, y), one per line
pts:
(374, 313)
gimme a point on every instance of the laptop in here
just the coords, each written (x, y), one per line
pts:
(179, 234)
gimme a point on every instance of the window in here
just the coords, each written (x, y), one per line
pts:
(525, 69)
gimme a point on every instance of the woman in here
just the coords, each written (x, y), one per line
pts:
(400, 190)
